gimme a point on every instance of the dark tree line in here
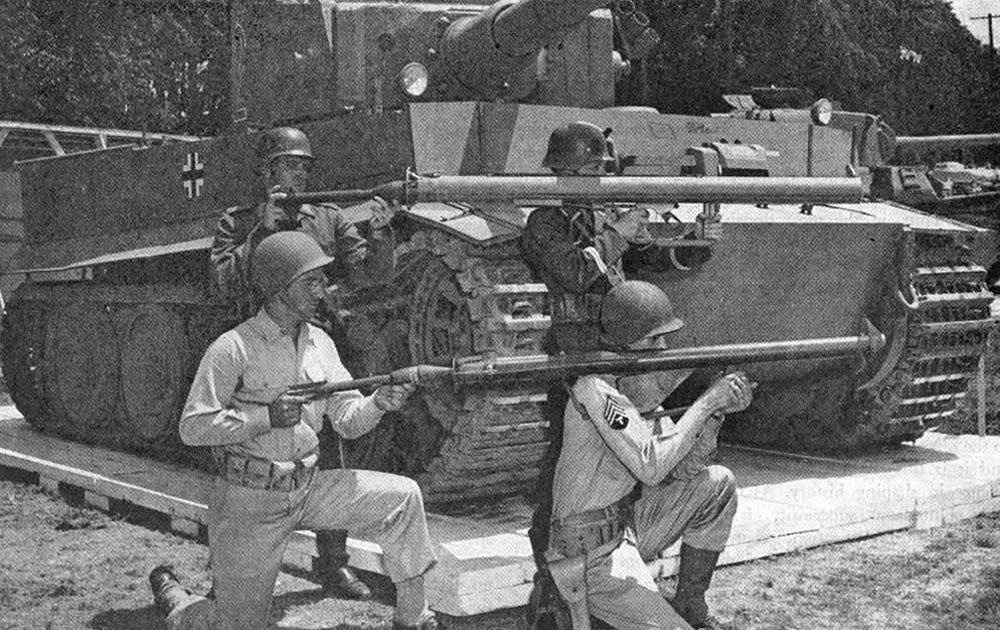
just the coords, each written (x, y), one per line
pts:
(162, 65)
(909, 60)
(132, 64)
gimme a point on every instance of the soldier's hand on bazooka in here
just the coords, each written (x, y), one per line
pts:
(633, 225)
(392, 397)
(731, 393)
(382, 213)
(274, 214)
(286, 410)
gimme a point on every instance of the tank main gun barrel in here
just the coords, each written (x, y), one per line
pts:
(477, 371)
(919, 144)
(639, 189)
(486, 52)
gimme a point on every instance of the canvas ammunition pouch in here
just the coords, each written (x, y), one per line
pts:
(571, 538)
(263, 474)
(570, 577)
(577, 534)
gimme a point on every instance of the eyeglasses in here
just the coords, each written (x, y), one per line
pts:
(294, 163)
(312, 281)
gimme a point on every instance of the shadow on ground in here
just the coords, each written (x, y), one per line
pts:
(146, 618)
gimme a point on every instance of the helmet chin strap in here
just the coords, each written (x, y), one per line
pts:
(306, 315)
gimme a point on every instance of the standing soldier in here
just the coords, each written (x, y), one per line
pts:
(243, 404)
(600, 540)
(578, 251)
(285, 160)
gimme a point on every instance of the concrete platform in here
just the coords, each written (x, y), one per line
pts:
(787, 502)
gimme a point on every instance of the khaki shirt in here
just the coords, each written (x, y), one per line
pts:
(607, 450)
(247, 368)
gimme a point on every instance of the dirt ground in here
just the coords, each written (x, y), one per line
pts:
(65, 566)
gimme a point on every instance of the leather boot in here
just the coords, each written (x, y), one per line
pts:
(427, 622)
(693, 579)
(331, 568)
(167, 589)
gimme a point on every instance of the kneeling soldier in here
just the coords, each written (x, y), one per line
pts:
(264, 440)
(597, 552)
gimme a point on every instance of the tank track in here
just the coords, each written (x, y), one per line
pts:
(938, 324)
(451, 299)
(454, 299)
(948, 325)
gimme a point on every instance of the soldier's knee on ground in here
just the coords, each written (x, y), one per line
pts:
(723, 480)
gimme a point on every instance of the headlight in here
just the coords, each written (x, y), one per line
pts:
(413, 79)
(822, 112)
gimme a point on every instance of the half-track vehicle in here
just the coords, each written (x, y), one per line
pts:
(102, 338)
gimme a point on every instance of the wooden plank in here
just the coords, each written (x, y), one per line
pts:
(113, 488)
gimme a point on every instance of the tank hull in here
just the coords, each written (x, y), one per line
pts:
(119, 281)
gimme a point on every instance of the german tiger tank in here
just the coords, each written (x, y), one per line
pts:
(102, 338)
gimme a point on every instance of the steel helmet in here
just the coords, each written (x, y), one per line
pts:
(635, 309)
(575, 145)
(283, 141)
(283, 257)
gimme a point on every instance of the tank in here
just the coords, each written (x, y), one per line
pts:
(102, 338)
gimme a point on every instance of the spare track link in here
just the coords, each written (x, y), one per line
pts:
(948, 323)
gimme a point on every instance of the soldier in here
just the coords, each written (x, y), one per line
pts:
(579, 252)
(264, 441)
(597, 552)
(285, 159)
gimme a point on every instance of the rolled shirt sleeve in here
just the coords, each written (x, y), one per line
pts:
(350, 413)
(649, 455)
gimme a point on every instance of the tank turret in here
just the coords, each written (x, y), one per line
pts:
(293, 61)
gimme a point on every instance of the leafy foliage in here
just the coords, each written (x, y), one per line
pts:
(161, 66)
(909, 60)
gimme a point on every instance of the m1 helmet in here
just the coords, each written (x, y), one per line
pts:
(635, 309)
(575, 145)
(283, 257)
(283, 141)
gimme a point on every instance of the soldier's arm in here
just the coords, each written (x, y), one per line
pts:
(351, 414)
(648, 455)
(367, 261)
(212, 416)
(236, 235)
(547, 245)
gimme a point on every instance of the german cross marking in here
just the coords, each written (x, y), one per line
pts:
(193, 176)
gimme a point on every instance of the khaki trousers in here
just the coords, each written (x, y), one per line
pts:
(248, 531)
(620, 590)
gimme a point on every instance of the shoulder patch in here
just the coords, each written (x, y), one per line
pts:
(615, 412)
